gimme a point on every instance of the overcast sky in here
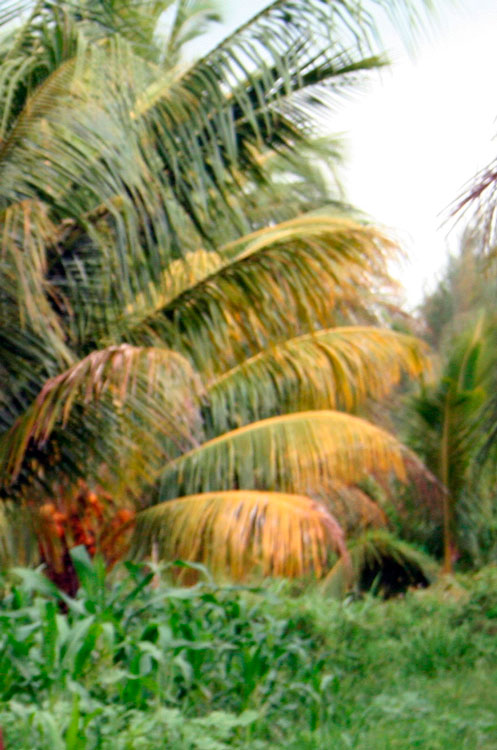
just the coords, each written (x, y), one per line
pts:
(420, 130)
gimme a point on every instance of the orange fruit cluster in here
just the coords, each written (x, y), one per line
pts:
(81, 516)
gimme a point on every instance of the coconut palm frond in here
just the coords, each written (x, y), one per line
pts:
(12, 10)
(380, 561)
(179, 279)
(334, 368)
(239, 532)
(448, 412)
(448, 415)
(353, 508)
(478, 202)
(251, 93)
(292, 453)
(26, 233)
(18, 540)
(191, 18)
(139, 172)
(160, 384)
(116, 166)
(290, 274)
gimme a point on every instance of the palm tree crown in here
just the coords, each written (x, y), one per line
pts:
(177, 283)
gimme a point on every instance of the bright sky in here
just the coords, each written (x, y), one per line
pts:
(420, 131)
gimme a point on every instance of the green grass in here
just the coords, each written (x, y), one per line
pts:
(135, 666)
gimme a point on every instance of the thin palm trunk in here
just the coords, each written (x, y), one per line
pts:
(447, 499)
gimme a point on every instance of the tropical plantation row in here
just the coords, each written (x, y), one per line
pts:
(198, 337)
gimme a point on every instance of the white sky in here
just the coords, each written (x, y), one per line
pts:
(420, 131)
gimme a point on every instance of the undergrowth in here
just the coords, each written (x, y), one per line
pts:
(139, 664)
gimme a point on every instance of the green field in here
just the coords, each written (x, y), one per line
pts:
(139, 664)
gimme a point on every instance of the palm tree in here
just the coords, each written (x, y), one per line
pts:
(158, 338)
(447, 432)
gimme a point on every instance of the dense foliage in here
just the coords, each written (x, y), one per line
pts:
(188, 314)
(452, 418)
(136, 664)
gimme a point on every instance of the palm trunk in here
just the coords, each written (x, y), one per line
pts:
(447, 499)
(447, 532)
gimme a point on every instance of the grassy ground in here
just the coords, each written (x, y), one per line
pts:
(138, 667)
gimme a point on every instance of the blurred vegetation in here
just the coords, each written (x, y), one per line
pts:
(194, 323)
(450, 421)
(198, 339)
(136, 663)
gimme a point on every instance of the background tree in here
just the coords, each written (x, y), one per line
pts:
(455, 413)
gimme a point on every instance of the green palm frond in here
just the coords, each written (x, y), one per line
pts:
(263, 283)
(240, 99)
(292, 453)
(127, 181)
(191, 17)
(12, 10)
(39, 103)
(136, 177)
(334, 368)
(446, 429)
(380, 561)
(238, 532)
(448, 412)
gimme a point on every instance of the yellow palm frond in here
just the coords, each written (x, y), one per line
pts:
(237, 532)
(333, 368)
(292, 453)
(178, 278)
(26, 233)
(18, 542)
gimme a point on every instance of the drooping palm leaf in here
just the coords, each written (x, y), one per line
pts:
(353, 508)
(254, 288)
(18, 542)
(479, 204)
(334, 368)
(26, 232)
(78, 153)
(160, 384)
(137, 164)
(238, 532)
(380, 561)
(292, 453)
